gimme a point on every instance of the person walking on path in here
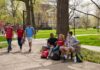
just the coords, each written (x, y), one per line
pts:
(29, 32)
(20, 36)
(9, 35)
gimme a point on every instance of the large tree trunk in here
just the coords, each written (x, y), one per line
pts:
(62, 17)
(32, 13)
(28, 19)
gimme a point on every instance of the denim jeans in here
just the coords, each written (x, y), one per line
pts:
(20, 42)
(9, 40)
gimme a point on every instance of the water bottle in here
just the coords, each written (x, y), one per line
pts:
(75, 60)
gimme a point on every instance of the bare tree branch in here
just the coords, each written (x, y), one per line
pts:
(85, 13)
(76, 4)
(95, 4)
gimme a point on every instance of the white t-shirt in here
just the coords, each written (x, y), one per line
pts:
(71, 41)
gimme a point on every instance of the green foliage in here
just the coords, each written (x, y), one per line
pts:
(91, 56)
(3, 45)
(93, 40)
(84, 31)
(44, 33)
(2, 39)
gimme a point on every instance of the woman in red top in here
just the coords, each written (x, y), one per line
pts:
(20, 34)
(60, 41)
(9, 35)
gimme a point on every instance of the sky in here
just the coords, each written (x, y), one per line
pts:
(91, 8)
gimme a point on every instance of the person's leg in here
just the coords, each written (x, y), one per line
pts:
(64, 53)
(9, 45)
(50, 52)
(73, 53)
(30, 44)
(20, 43)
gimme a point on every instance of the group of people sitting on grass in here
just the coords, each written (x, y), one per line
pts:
(62, 48)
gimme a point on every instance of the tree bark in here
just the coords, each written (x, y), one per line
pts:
(62, 17)
(32, 13)
(28, 19)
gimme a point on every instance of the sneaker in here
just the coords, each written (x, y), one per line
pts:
(9, 50)
(29, 50)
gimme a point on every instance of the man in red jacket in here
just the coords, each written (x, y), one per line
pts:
(9, 35)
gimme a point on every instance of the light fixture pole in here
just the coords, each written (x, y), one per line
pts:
(75, 24)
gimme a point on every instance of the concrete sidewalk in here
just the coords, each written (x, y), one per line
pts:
(31, 61)
(93, 48)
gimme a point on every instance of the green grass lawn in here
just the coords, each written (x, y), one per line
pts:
(86, 40)
(93, 40)
(3, 45)
(2, 38)
(84, 31)
(45, 33)
(91, 56)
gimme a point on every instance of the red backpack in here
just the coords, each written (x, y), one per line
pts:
(44, 54)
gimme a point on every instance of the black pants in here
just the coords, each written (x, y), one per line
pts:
(9, 41)
(20, 42)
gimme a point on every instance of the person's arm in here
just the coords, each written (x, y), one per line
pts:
(4, 31)
(75, 41)
(24, 33)
(48, 42)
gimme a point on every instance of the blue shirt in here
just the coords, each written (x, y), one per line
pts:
(29, 31)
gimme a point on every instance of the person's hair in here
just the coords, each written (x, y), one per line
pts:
(70, 32)
(62, 36)
(7, 23)
(51, 35)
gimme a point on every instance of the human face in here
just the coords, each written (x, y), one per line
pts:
(60, 37)
(8, 25)
(69, 35)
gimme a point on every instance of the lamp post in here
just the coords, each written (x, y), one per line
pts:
(98, 25)
(75, 23)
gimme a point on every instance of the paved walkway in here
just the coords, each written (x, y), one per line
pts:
(31, 61)
(93, 48)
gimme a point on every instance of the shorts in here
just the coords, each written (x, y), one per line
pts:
(67, 48)
(29, 39)
(72, 48)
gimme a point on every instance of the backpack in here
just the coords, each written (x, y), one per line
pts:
(79, 57)
(44, 54)
(55, 55)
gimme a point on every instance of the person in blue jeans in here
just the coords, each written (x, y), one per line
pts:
(9, 36)
(29, 32)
